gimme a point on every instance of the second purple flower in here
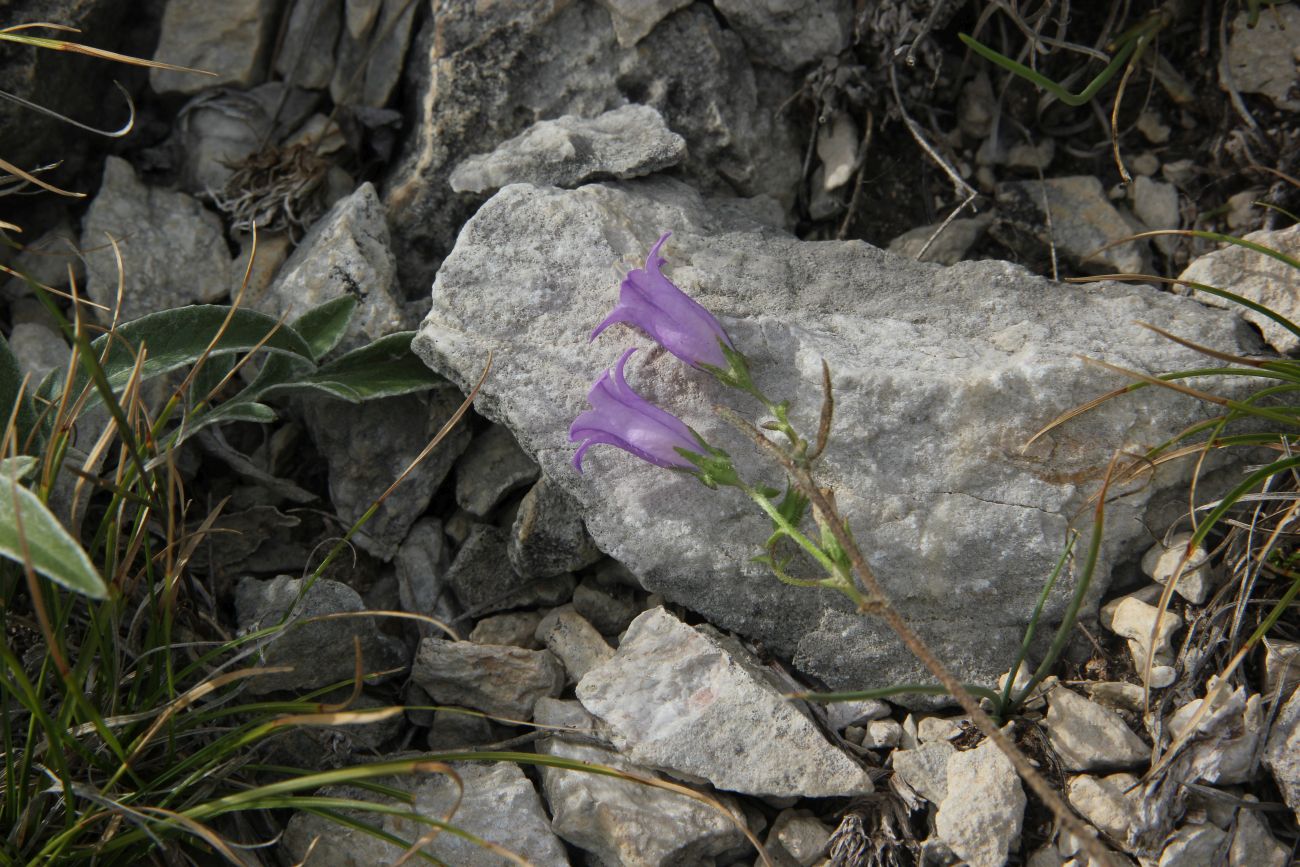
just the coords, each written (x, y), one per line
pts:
(650, 301)
(620, 417)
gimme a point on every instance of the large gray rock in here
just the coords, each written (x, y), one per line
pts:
(1282, 752)
(173, 250)
(498, 804)
(371, 51)
(232, 40)
(306, 55)
(480, 74)
(678, 699)
(941, 376)
(627, 142)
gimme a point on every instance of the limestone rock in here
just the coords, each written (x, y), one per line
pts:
(493, 465)
(949, 248)
(621, 821)
(624, 143)
(306, 54)
(1256, 277)
(925, 769)
(1082, 222)
(480, 75)
(499, 805)
(233, 40)
(548, 536)
(1162, 563)
(501, 681)
(981, 816)
(609, 607)
(173, 250)
(1223, 751)
(515, 628)
(1088, 737)
(378, 34)
(370, 444)
(1195, 845)
(345, 252)
(484, 580)
(1262, 59)
(1282, 752)
(676, 699)
(321, 652)
(421, 567)
(963, 527)
(574, 641)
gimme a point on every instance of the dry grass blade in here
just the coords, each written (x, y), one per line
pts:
(31, 178)
(11, 34)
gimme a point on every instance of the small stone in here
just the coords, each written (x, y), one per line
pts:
(421, 568)
(368, 445)
(925, 769)
(491, 468)
(493, 801)
(1262, 59)
(981, 816)
(371, 52)
(1155, 203)
(1144, 164)
(232, 39)
(935, 728)
(346, 252)
(1253, 845)
(1117, 694)
(1083, 222)
(1024, 156)
(1107, 802)
(799, 836)
(1134, 619)
(881, 734)
(1281, 666)
(321, 652)
(1088, 737)
(1282, 752)
(500, 681)
(485, 582)
(1258, 278)
(841, 714)
(1161, 675)
(450, 731)
(1195, 846)
(272, 252)
(621, 821)
(173, 250)
(951, 245)
(977, 107)
(38, 349)
(515, 629)
(676, 699)
(1243, 212)
(1227, 736)
(1153, 127)
(627, 142)
(1180, 173)
(306, 56)
(1162, 562)
(609, 606)
(837, 148)
(577, 643)
(548, 537)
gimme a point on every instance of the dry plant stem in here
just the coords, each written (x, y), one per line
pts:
(872, 600)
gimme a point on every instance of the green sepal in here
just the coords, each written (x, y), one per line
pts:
(714, 467)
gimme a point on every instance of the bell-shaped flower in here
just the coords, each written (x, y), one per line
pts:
(621, 417)
(677, 322)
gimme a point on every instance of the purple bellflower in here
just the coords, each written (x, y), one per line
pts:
(621, 417)
(677, 322)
